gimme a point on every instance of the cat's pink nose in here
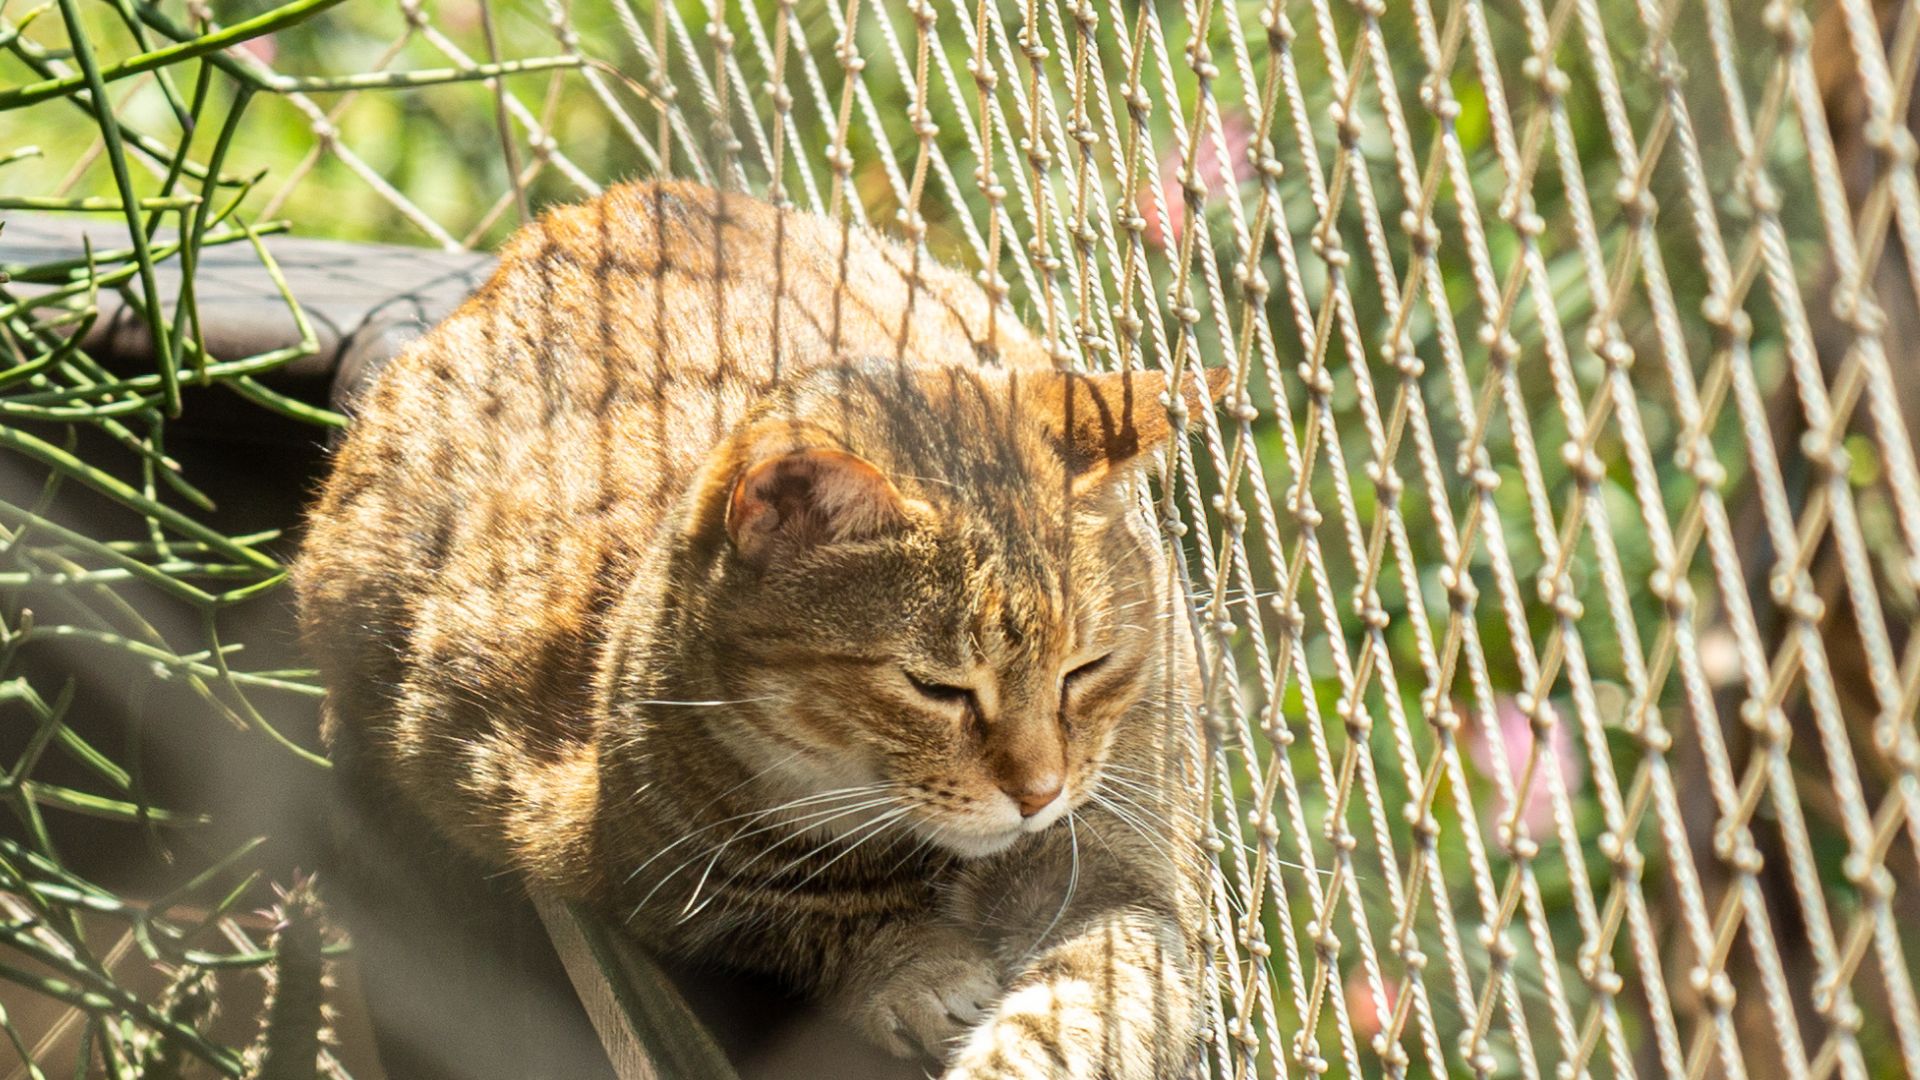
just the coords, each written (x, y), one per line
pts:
(1036, 794)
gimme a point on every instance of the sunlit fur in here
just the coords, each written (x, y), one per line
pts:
(568, 600)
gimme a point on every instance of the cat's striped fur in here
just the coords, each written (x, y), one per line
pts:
(682, 577)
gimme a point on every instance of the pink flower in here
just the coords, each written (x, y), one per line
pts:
(1212, 172)
(261, 48)
(1516, 742)
(1362, 1010)
(460, 16)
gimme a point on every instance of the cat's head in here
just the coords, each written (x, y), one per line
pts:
(934, 593)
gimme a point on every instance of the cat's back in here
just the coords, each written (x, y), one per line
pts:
(499, 478)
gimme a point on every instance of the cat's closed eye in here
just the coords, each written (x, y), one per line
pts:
(1088, 668)
(943, 693)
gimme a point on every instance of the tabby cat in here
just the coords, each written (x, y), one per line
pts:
(741, 575)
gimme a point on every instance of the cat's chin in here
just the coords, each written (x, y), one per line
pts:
(974, 845)
(980, 843)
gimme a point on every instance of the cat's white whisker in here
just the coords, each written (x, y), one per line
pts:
(708, 704)
(817, 805)
(874, 828)
(1073, 883)
(1117, 608)
(1156, 781)
(722, 796)
(870, 828)
(805, 823)
(1162, 805)
(915, 852)
(755, 815)
(928, 480)
(817, 819)
(1116, 779)
(1157, 794)
(1117, 806)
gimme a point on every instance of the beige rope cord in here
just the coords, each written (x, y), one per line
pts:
(1554, 559)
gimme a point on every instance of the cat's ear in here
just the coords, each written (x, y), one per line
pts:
(1103, 425)
(791, 487)
(810, 496)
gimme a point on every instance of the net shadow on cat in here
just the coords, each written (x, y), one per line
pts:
(593, 498)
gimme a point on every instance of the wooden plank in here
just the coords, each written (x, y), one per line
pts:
(646, 1026)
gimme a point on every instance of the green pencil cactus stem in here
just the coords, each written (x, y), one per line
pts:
(190, 1001)
(295, 1021)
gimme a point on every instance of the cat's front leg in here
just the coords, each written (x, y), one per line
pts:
(920, 986)
(1114, 1000)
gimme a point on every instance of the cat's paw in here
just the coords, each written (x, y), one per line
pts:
(1042, 1031)
(927, 1003)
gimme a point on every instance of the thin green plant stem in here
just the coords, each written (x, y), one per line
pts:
(187, 547)
(194, 233)
(211, 623)
(79, 368)
(119, 432)
(100, 996)
(11, 34)
(170, 899)
(268, 398)
(189, 127)
(12, 850)
(392, 80)
(145, 572)
(53, 717)
(36, 828)
(30, 755)
(37, 59)
(259, 26)
(64, 270)
(97, 203)
(35, 366)
(62, 349)
(124, 407)
(503, 126)
(193, 664)
(45, 853)
(254, 958)
(89, 1034)
(256, 76)
(18, 884)
(123, 180)
(113, 487)
(156, 427)
(308, 342)
(70, 361)
(196, 676)
(175, 568)
(252, 365)
(99, 903)
(27, 1062)
(137, 696)
(222, 906)
(49, 488)
(52, 727)
(61, 797)
(111, 1048)
(181, 114)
